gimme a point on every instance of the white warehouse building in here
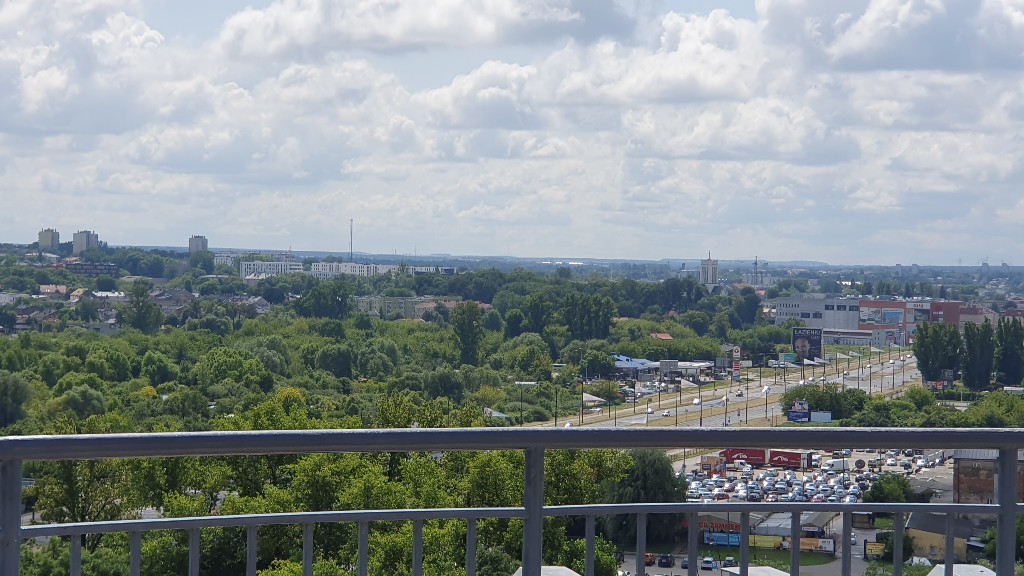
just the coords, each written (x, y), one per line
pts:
(819, 311)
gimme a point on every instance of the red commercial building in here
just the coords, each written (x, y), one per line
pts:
(896, 321)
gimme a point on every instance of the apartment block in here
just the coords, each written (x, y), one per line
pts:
(84, 240)
(49, 239)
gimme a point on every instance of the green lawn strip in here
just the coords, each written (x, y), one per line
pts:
(764, 556)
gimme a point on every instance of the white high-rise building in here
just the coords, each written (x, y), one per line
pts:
(197, 244)
(84, 240)
(49, 239)
(709, 273)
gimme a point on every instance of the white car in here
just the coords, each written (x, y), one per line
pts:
(650, 410)
(666, 412)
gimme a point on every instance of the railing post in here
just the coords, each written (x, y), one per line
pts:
(135, 554)
(897, 544)
(949, 557)
(641, 541)
(470, 546)
(589, 566)
(847, 567)
(307, 549)
(76, 554)
(364, 548)
(1006, 545)
(692, 545)
(744, 543)
(193, 552)
(794, 542)
(250, 551)
(417, 548)
(533, 502)
(10, 516)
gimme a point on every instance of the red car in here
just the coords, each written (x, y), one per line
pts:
(649, 559)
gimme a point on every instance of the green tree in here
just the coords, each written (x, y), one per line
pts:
(991, 541)
(106, 284)
(650, 479)
(326, 300)
(1010, 351)
(141, 312)
(466, 324)
(891, 488)
(14, 393)
(978, 355)
(937, 348)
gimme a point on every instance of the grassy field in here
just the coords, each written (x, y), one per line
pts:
(765, 556)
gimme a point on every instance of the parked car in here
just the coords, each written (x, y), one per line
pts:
(649, 559)
(666, 561)
(729, 562)
(708, 563)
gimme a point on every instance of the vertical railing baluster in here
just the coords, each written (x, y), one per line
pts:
(847, 567)
(692, 545)
(641, 541)
(533, 502)
(135, 554)
(364, 548)
(193, 552)
(897, 544)
(76, 554)
(949, 557)
(10, 516)
(794, 542)
(250, 550)
(417, 548)
(471, 547)
(744, 543)
(591, 546)
(1006, 496)
(307, 549)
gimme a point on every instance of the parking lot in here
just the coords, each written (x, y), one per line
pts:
(927, 469)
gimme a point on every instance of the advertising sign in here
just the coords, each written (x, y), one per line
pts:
(873, 549)
(787, 357)
(761, 541)
(823, 417)
(920, 316)
(813, 544)
(712, 463)
(806, 344)
(795, 416)
(721, 539)
(892, 316)
(947, 375)
(918, 305)
(870, 315)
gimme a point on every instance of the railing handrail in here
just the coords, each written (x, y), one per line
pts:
(266, 442)
(409, 514)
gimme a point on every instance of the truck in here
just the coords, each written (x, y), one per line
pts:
(793, 459)
(835, 465)
(752, 456)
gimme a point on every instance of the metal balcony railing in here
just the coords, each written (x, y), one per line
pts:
(533, 441)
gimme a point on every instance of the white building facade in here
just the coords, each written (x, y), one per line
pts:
(246, 269)
(819, 311)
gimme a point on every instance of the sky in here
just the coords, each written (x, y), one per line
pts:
(843, 131)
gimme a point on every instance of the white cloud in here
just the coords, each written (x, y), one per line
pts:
(572, 127)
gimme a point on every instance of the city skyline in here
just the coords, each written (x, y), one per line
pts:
(799, 130)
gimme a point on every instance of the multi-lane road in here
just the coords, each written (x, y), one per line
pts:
(759, 403)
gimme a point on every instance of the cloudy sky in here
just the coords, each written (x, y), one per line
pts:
(845, 131)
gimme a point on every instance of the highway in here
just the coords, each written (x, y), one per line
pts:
(759, 405)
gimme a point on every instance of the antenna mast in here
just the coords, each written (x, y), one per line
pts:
(350, 259)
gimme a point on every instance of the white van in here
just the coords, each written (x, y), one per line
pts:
(835, 465)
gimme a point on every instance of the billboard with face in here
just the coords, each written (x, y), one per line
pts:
(806, 344)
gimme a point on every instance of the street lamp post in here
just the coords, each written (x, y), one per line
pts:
(869, 379)
(845, 374)
(892, 366)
